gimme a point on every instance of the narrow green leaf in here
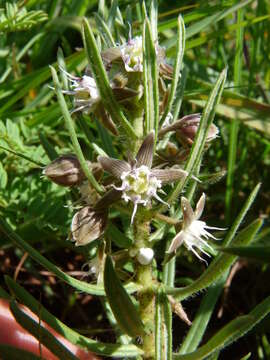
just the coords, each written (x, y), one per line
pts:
(72, 133)
(105, 31)
(75, 338)
(9, 352)
(122, 306)
(154, 19)
(180, 49)
(179, 94)
(230, 332)
(260, 253)
(202, 317)
(77, 284)
(49, 149)
(163, 325)
(219, 265)
(150, 78)
(112, 14)
(40, 333)
(102, 80)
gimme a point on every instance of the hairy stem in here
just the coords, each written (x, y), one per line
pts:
(146, 296)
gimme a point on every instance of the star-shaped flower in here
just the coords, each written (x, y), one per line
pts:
(140, 183)
(194, 231)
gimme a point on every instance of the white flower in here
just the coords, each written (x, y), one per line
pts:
(84, 90)
(132, 54)
(145, 256)
(140, 183)
(194, 231)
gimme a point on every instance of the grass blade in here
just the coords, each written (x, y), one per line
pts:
(234, 126)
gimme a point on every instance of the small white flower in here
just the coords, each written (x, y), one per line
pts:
(140, 183)
(84, 90)
(132, 54)
(145, 256)
(194, 231)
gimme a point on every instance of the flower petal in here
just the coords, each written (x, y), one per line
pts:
(145, 153)
(176, 242)
(88, 225)
(169, 175)
(199, 207)
(114, 166)
(188, 214)
(109, 198)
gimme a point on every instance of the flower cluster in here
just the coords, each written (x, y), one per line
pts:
(134, 180)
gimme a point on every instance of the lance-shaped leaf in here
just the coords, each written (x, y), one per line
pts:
(163, 325)
(75, 338)
(121, 304)
(257, 253)
(9, 352)
(229, 333)
(150, 77)
(102, 81)
(180, 48)
(41, 334)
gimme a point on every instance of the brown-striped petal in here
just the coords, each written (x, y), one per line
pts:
(199, 207)
(122, 94)
(169, 175)
(109, 198)
(114, 166)
(145, 153)
(188, 214)
(88, 225)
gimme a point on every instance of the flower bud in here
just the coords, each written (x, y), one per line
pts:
(145, 256)
(88, 225)
(188, 127)
(65, 170)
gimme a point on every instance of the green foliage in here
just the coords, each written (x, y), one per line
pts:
(14, 18)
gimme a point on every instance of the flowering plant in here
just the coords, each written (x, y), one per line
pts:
(132, 184)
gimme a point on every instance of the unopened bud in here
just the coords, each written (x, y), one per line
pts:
(145, 256)
(65, 170)
(188, 127)
(88, 225)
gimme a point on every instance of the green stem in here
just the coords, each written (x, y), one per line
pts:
(146, 295)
